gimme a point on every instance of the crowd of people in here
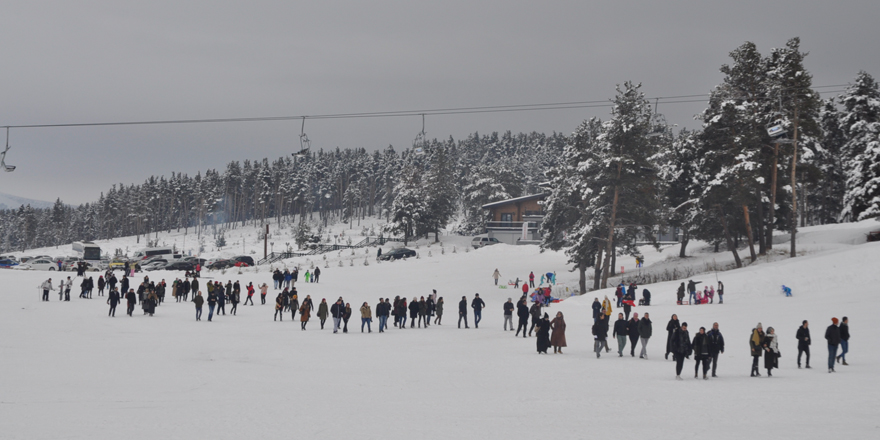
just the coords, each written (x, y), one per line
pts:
(705, 346)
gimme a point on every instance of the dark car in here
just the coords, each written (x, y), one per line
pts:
(196, 260)
(244, 259)
(221, 264)
(397, 254)
(180, 265)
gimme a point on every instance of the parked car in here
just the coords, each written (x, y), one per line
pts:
(154, 265)
(483, 240)
(7, 264)
(221, 264)
(180, 265)
(38, 264)
(244, 259)
(397, 254)
(196, 260)
(874, 236)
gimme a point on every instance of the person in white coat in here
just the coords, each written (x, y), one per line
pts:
(46, 286)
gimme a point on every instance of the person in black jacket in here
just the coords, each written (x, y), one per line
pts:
(413, 313)
(535, 311)
(681, 348)
(600, 331)
(701, 353)
(477, 305)
(632, 329)
(508, 314)
(113, 300)
(716, 346)
(381, 315)
(804, 341)
(597, 308)
(336, 312)
(620, 333)
(522, 312)
(101, 285)
(462, 312)
(844, 340)
(132, 299)
(670, 330)
(832, 335)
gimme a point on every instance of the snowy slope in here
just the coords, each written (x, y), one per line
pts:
(69, 371)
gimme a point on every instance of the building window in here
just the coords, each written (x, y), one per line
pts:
(506, 219)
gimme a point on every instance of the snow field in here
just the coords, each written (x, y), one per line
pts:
(71, 372)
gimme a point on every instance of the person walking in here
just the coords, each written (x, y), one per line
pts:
(234, 298)
(316, 275)
(597, 309)
(346, 314)
(381, 314)
(413, 313)
(367, 317)
(543, 334)
(646, 330)
(438, 311)
(323, 312)
(462, 311)
(263, 290)
(844, 340)
(131, 299)
(557, 339)
(199, 300)
(336, 311)
(101, 285)
(402, 308)
(600, 331)
(701, 353)
(606, 308)
(720, 292)
(220, 299)
(113, 300)
(522, 312)
(619, 332)
(716, 346)
(680, 294)
(681, 348)
(771, 348)
(804, 341)
(755, 345)
(632, 330)
(670, 330)
(535, 312)
(46, 286)
(250, 294)
(508, 314)
(305, 312)
(212, 302)
(279, 307)
(832, 335)
(496, 275)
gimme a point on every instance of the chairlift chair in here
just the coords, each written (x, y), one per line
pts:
(7, 168)
(420, 140)
(658, 122)
(304, 143)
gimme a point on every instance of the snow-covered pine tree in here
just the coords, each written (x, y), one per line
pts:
(860, 121)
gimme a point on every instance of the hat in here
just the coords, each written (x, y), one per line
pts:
(834, 320)
(759, 325)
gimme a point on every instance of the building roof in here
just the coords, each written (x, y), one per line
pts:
(540, 196)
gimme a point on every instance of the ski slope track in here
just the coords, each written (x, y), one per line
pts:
(69, 371)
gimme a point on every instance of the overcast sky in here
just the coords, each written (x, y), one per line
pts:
(105, 61)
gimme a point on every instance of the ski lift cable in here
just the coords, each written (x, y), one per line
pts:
(675, 99)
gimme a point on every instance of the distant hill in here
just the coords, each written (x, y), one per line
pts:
(8, 201)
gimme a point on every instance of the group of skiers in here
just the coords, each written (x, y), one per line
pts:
(696, 296)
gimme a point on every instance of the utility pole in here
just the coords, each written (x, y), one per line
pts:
(265, 241)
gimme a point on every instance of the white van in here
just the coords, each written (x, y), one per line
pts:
(164, 252)
(483, 240)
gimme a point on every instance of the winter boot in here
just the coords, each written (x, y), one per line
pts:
(677, 377)
(844, 363)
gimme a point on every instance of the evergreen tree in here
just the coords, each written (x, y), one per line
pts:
(860, 121)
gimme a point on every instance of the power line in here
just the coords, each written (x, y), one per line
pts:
(675, 99)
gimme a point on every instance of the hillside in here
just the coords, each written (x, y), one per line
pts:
(94, 373)
(9, 201)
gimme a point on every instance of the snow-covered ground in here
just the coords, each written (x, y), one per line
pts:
(69, 371)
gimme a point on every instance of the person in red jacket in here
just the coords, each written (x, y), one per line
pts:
(250, 297)
(531, 281)
(525, 289)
